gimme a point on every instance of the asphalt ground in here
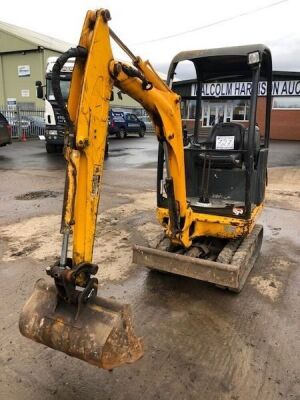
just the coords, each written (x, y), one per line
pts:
(132, 152)
(200, 342)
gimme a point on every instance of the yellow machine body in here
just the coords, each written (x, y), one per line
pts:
(67, 315)
(217, 225)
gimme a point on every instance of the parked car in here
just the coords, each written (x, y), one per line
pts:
(121, 124)
(5, 131)
(147, 121)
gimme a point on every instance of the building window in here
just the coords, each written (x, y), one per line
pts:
(184, 109)
(192, 109)
(288, 102)
(240, 110)
(205, 113)
(64, 86)
(217, 111)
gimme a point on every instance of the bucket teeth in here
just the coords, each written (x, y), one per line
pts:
(102, 335)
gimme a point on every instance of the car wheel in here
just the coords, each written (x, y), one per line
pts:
(50, 148)
(121, 134)
(142, 132)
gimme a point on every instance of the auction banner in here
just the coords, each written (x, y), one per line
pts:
(240, 89)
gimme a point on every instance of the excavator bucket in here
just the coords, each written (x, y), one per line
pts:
(101, 334)
(229, 270)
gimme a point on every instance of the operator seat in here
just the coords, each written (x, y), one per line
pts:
(235, 134)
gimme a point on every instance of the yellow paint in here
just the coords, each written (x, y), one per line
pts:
(215, 225)
(88, 106)
(72, 156)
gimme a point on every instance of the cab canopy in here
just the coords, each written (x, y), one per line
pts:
(225, 62)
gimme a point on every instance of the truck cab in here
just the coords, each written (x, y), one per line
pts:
(55, 123)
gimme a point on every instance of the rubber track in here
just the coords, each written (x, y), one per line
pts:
(244, 249)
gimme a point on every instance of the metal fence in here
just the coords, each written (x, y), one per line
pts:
(24, 123)
(30, 123)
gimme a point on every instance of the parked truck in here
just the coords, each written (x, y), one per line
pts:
(55, 123)
(54, 120)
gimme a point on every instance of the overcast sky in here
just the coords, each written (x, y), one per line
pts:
(154, 29)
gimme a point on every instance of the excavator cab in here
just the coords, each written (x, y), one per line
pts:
(225, 170)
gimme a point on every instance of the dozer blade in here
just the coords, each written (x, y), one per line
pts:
(232, 275)
(102, 335)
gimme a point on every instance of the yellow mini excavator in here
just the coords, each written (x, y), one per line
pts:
(209, 192)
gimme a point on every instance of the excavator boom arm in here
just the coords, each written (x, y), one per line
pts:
(88, 106)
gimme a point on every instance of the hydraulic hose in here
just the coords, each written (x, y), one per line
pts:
(77, 52)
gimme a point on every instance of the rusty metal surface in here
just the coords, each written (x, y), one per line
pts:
(102, 335)
(232, 276)
(205, 270)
